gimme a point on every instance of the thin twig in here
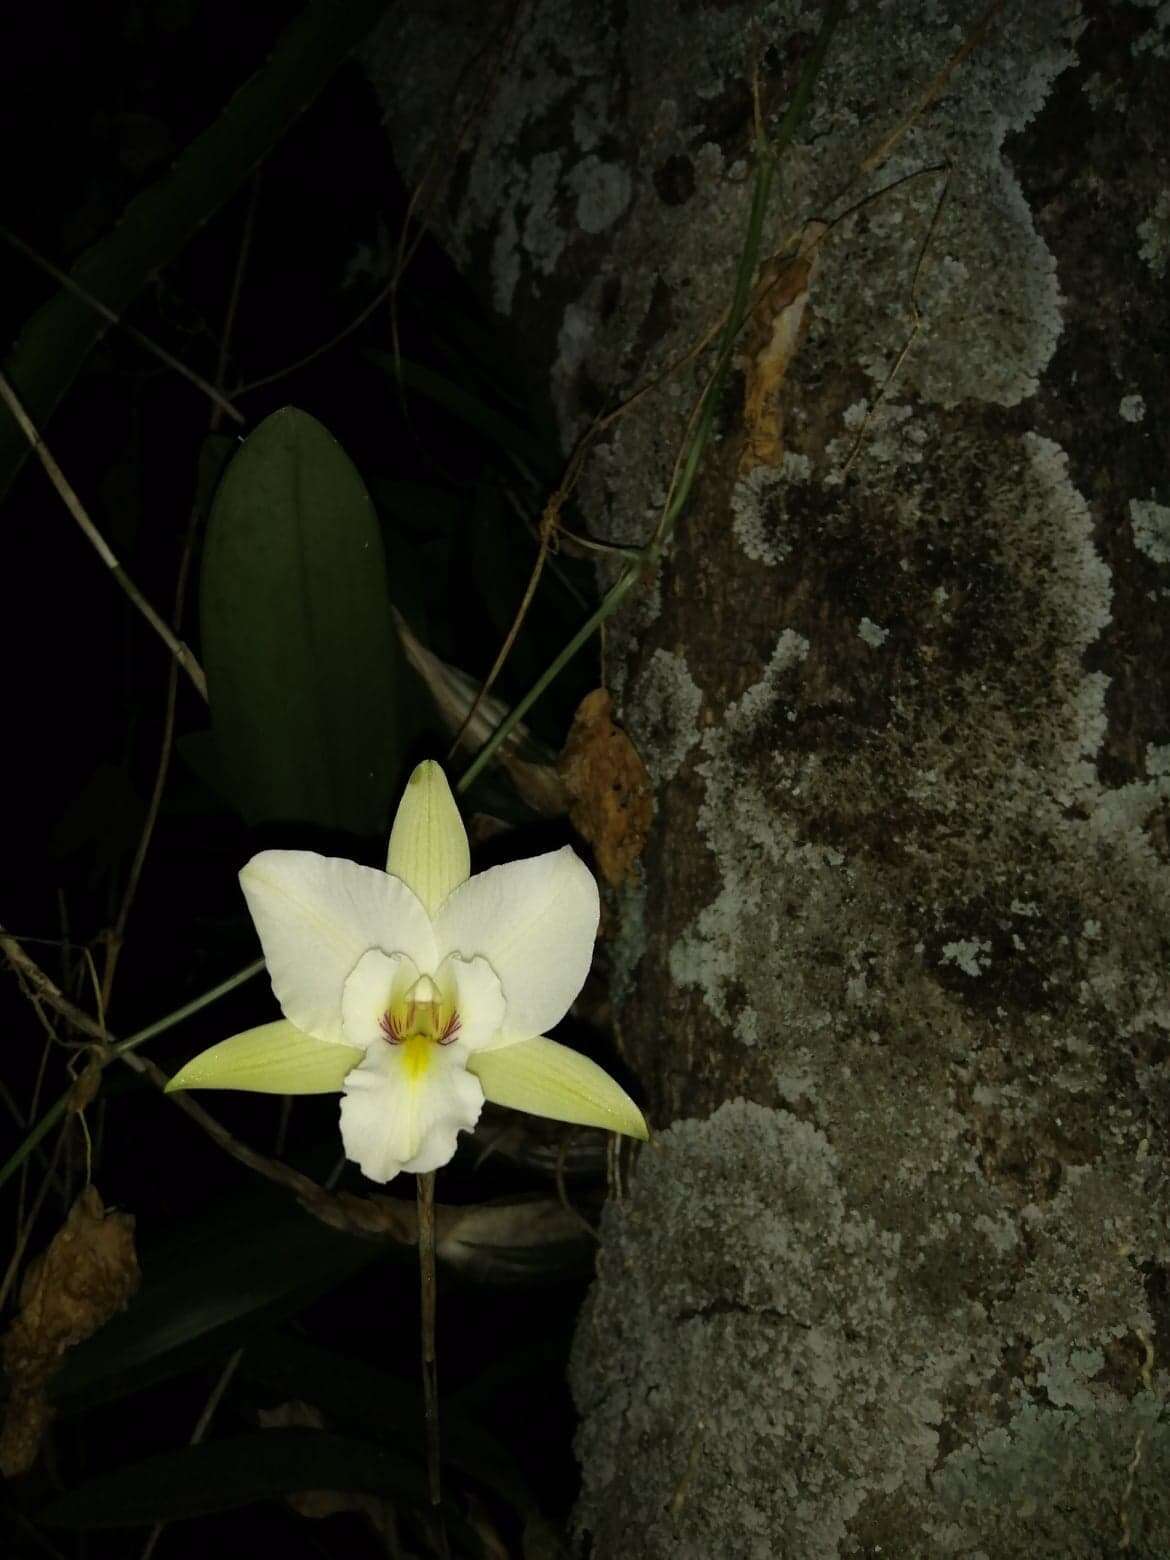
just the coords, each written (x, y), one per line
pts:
(405, 253)
(914, 329)
(52, 1042)
(31, 1531)
(975, 36)
(75, 507)
(29, 1223)
(513, 632)
(105, 1048)
(98, 307)
(117, 934)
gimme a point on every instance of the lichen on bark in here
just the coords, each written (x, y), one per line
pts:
(895, 978)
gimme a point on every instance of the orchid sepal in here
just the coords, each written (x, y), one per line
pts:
(544, 1078)
(428, 843)
(275, 1058)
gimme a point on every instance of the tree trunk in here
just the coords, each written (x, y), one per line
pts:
(893, 1277)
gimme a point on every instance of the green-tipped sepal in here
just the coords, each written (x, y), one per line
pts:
(428, 843)
(547, 1079)
(274, 1058)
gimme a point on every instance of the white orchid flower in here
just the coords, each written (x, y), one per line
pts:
(420, 991)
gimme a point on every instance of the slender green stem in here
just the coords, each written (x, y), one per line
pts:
(616, 594)
(55, 1112)
(798, 102)
(425, 1185)
(141, 1036)
(687, 469)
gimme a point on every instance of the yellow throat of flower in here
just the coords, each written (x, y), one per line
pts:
(418, 1021)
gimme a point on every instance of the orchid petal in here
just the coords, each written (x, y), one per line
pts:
(370, 990)
(428, 843)
(547, 1079)
(479, 1000)
(316, 916)
(272, 1059)
(399, 1115)
(535, 922)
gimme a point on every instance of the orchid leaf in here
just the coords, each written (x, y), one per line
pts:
(304, 670)
(205, 1290)
(223, 1475)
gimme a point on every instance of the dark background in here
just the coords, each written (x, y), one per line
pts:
(95, 104)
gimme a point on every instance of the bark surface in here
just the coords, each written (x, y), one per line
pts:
(893, 1278)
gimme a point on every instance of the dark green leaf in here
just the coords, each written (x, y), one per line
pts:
(221, 1475)
(481, 350)
(205, 1290)
(159, 222)
(496, 429)
(355, 1396)
(422, 510)
(304, 669)
(105, 816)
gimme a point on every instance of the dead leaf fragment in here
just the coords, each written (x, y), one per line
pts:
(84, 1276)
(611, 801)
(499, 1242)
(85, 1086)
(773, 337)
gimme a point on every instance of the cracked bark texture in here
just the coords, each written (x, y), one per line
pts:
(893, 1278)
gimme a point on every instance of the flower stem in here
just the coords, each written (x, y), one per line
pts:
(426, 1271)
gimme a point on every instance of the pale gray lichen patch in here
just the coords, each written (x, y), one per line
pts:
(969, 955)
(1105, 92)
(703, 955)
(564, 67)
(1154, 233)
(729, 1329)
(602, 190)
(626, 933)
(529, 224)
(542, 235)
(1011, 1486)
(747, 1311)
(758, 506)
(987, 293)
(767, 801)
(910, 1009)
(1151, 528)
(1156, 38)
(893, 434)
(987, 288)
(1132, 408)
(662, 714)
(872, 633)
